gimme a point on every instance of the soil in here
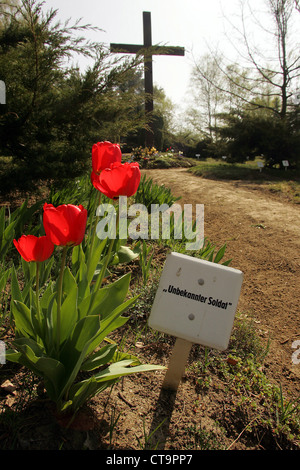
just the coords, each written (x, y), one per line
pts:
(261, 231)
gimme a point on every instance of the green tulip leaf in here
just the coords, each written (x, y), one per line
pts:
(16, 293)
(45, 270)
(105, 300)
(7, 237)
(69, 314)
(82, 391)
(121, 356)
(111, 323)
(32, 355)
(94, 257)
(100, 358)
(69, 281)
(76, 346)
(45, 297)
(122, 368)
(22, 317)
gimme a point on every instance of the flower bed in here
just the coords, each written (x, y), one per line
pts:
(151, 158)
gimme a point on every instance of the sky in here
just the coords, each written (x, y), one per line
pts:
(196, 25)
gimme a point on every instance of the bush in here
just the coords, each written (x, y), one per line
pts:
(53, 112)
(249, 135)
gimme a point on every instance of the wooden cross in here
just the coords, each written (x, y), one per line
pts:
(147, 50)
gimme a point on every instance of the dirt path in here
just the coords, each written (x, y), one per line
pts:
(263, 239)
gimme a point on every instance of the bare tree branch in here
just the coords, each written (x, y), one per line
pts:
(268, 77)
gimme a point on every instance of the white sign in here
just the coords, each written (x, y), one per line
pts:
(260, 166)
(196, 300)
(285, 162)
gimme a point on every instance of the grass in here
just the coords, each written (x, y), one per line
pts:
(217, 169)
(290, 189)
(277, 181)
(226, 171)
(203, 439)
(258, 408)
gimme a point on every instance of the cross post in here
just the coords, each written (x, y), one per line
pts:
(148, 51)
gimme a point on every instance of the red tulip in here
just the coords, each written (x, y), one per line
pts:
(33, 248)
(65, 224)
(103, 154)
(118, 180)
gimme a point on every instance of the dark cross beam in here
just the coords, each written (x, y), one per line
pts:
(148, 51)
